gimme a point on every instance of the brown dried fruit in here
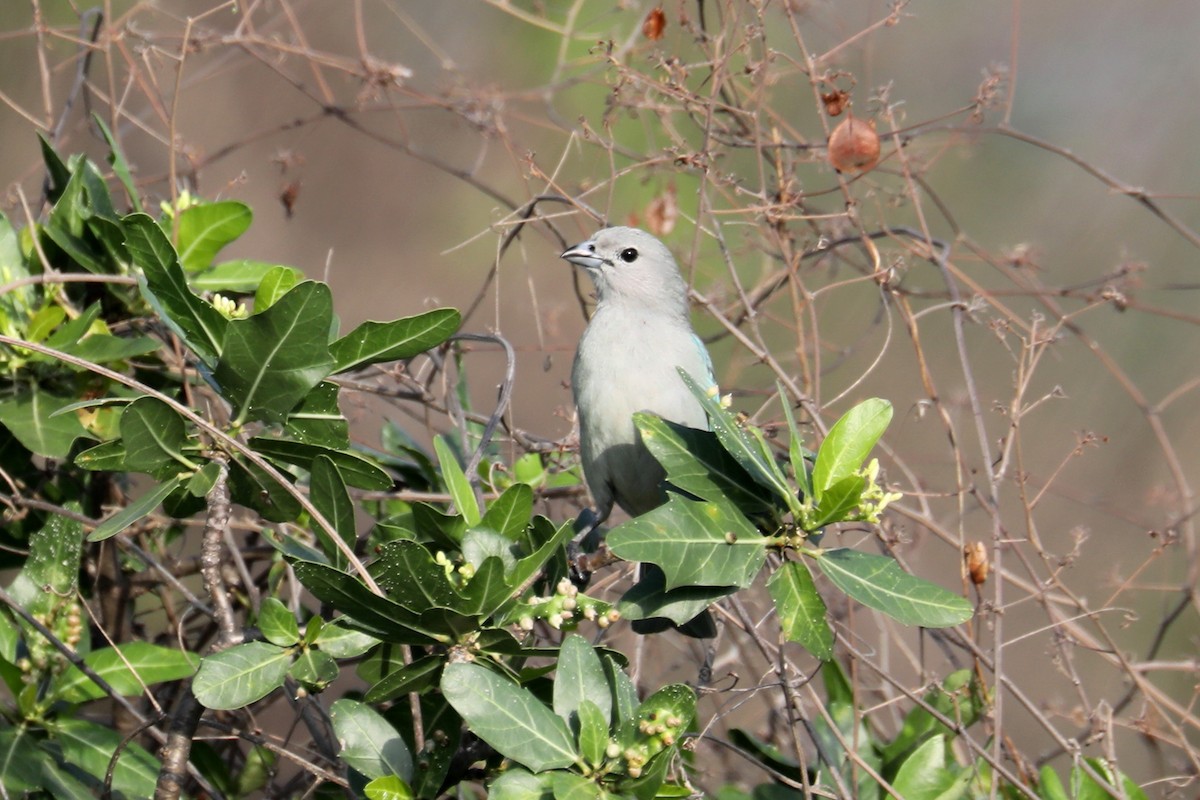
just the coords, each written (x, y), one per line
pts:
(854, 145)
(976, 556)
(653, 25)
(662, 212)
(835, 102)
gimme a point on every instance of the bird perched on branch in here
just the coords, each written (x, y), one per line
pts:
(628, 361)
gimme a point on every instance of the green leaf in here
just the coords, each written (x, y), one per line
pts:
(380, 616)
(165, 287)
(271, 360)
(517, 784)
(796, 453)
(328, 493)
(206, 228)
(415, 677)
(154, 437)
(593, 731)
(117, 160)
(878, 582)
(200, 484)
(579, 677)
(407, 571)
(51, 570)
(838, 501)
(572, 786)
(378, 342)
(20, 760)
(389, 787)
(252, 487)
(257, 770)
(508, 717)
(369, 742)
(800, 609)
(133, 512)
(1051, 785)
(277, 623)
(104, 457)
(695, 543)
(314, 669)
(649, 599)
(696, 462)
(740, 444)
(356, 469)
(923, 775)
(342, 642)
(30, 417)
(90, 747)
(243, 276)
(509, 514)
(241, 675)
(274, 285)
(318, 420)
(456, 481)
(128, 668)
(849, 443)
(102, 348)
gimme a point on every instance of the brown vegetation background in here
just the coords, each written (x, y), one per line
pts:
(1018, 275)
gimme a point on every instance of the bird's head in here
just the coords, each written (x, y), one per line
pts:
(630, 266)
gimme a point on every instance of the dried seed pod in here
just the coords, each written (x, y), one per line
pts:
(652, 26)
(854, 145)
(978, 567)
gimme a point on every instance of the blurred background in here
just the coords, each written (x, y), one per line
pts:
(1043, 368)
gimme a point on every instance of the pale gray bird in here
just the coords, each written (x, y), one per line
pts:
(628, 360)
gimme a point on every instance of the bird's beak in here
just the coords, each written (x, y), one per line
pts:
(583, 255)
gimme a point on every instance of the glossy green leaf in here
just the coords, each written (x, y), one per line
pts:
(90, 747)
(328, 493)
(796, 451)
(241, 276)
(154, 436)
(509, 514)
(275, 284)
(314, 669)
(415, 677)
(194, 320)
(878, 582)
(593, 732)
(252, 487)
(924, 776)
(128, 668)
(695, 543)
(271, 360)
(519, 784)
(696, 462)
(389, 787)
(342, 642)
(379, 342)
(355, 469)
(739, 443)
(460, 488)
(142, 507)
(51, 569)
(580, 676)
(241, 675)
(838, 501)
(408, 573)
(369, 742)
(205, 228)
(116, 160)
(30, 417)
(649, 599)
(573, 786)
(318, 419)
(849, 443)
(380, 616)
(800, 609)
(277, 623)
(509, 717)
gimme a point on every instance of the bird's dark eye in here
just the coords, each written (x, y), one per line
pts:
(629, 255)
